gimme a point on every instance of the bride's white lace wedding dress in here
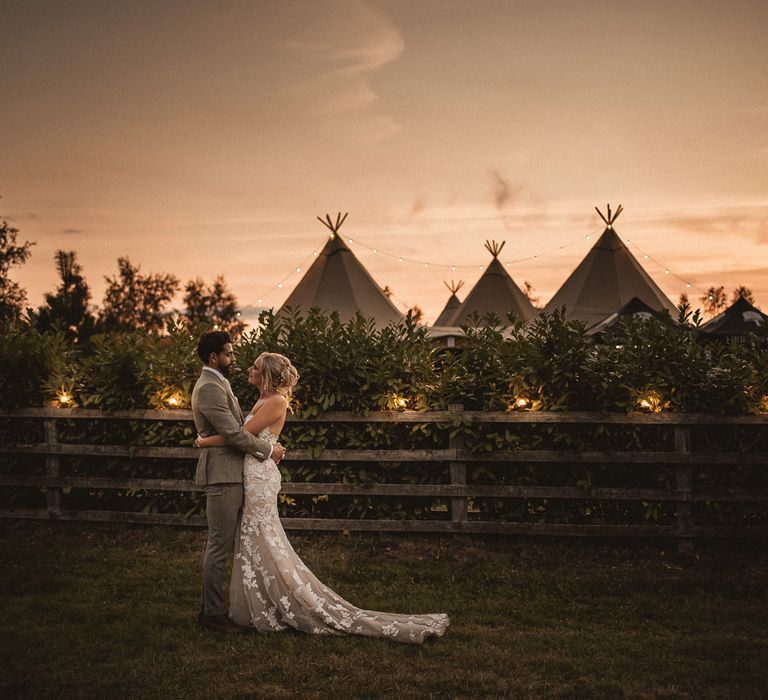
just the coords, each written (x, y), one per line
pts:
(272, 589)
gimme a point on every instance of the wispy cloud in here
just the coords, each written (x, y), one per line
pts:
(376, 127)
(71, 231)
(384, 45)
(16, 218)
(367, 42)
(353, 98)
(756, 111)
(418, 206)
(748, 221)
(341, 67)
(503, 191)
(726, 224)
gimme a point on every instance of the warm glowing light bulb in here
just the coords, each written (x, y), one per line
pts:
(375, 251)
(521, 402)
(173, 401)
(666, 272)
(64, 398)
(298, 269)
(453, 267)
(645, 403)
(279, 285)
(399, 260)
(351, 241)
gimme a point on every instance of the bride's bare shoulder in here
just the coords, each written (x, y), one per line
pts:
(276, 400)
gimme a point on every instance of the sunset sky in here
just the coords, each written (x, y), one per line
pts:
(203, 138)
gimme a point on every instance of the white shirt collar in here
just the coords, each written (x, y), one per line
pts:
(217, 373)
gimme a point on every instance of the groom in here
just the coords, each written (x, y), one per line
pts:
(220, 469)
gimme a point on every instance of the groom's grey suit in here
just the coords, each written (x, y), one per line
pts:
(220, 472)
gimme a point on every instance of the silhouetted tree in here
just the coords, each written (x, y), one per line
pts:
(714, 301)
(213, 305)
(743, 292)
(68, 306)
(686, 315)
(133, 301)
(417, 313)
(12, 296)
(528, 290)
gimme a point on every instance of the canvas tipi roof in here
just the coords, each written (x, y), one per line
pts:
(337, 281)
(495, 292)
(737, 320)
(451, 305)
(606, 279)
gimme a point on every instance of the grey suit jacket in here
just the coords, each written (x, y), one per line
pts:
(217, 412)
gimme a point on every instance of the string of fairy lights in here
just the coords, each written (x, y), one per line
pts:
(173, 399)
(667, 271)
(426, 264)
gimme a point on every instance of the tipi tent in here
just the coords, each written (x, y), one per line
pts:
(452, 304)
(607, 278)
(738, 320)
(495, 292)
(337, 281)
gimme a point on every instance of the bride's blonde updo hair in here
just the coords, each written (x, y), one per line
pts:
(278, 372)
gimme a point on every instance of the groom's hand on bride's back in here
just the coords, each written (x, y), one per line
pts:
(278, 452)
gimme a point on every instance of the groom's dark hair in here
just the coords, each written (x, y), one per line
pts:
(212, 341)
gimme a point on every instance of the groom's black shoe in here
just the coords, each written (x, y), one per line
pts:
(221, 623)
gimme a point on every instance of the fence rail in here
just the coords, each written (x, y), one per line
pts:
(458, 491)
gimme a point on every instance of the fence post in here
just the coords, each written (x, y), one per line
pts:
(458, 473)
(684, 474)
(52, 493)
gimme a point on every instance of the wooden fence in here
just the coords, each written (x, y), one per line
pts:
(683, 458)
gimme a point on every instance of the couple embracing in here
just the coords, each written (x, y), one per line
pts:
(271, 588)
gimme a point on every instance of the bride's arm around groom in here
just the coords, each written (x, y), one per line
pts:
(216, 411)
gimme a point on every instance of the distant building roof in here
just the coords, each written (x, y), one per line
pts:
(739, 319)
(634, 307)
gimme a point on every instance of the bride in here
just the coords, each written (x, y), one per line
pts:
(272, 589)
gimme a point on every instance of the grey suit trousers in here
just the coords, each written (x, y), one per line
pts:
(223, 509)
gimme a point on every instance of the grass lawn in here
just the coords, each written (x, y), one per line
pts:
(108, 612)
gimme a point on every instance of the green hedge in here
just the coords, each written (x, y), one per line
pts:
(549, 365)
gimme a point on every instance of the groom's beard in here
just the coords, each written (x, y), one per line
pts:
(225, 370)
